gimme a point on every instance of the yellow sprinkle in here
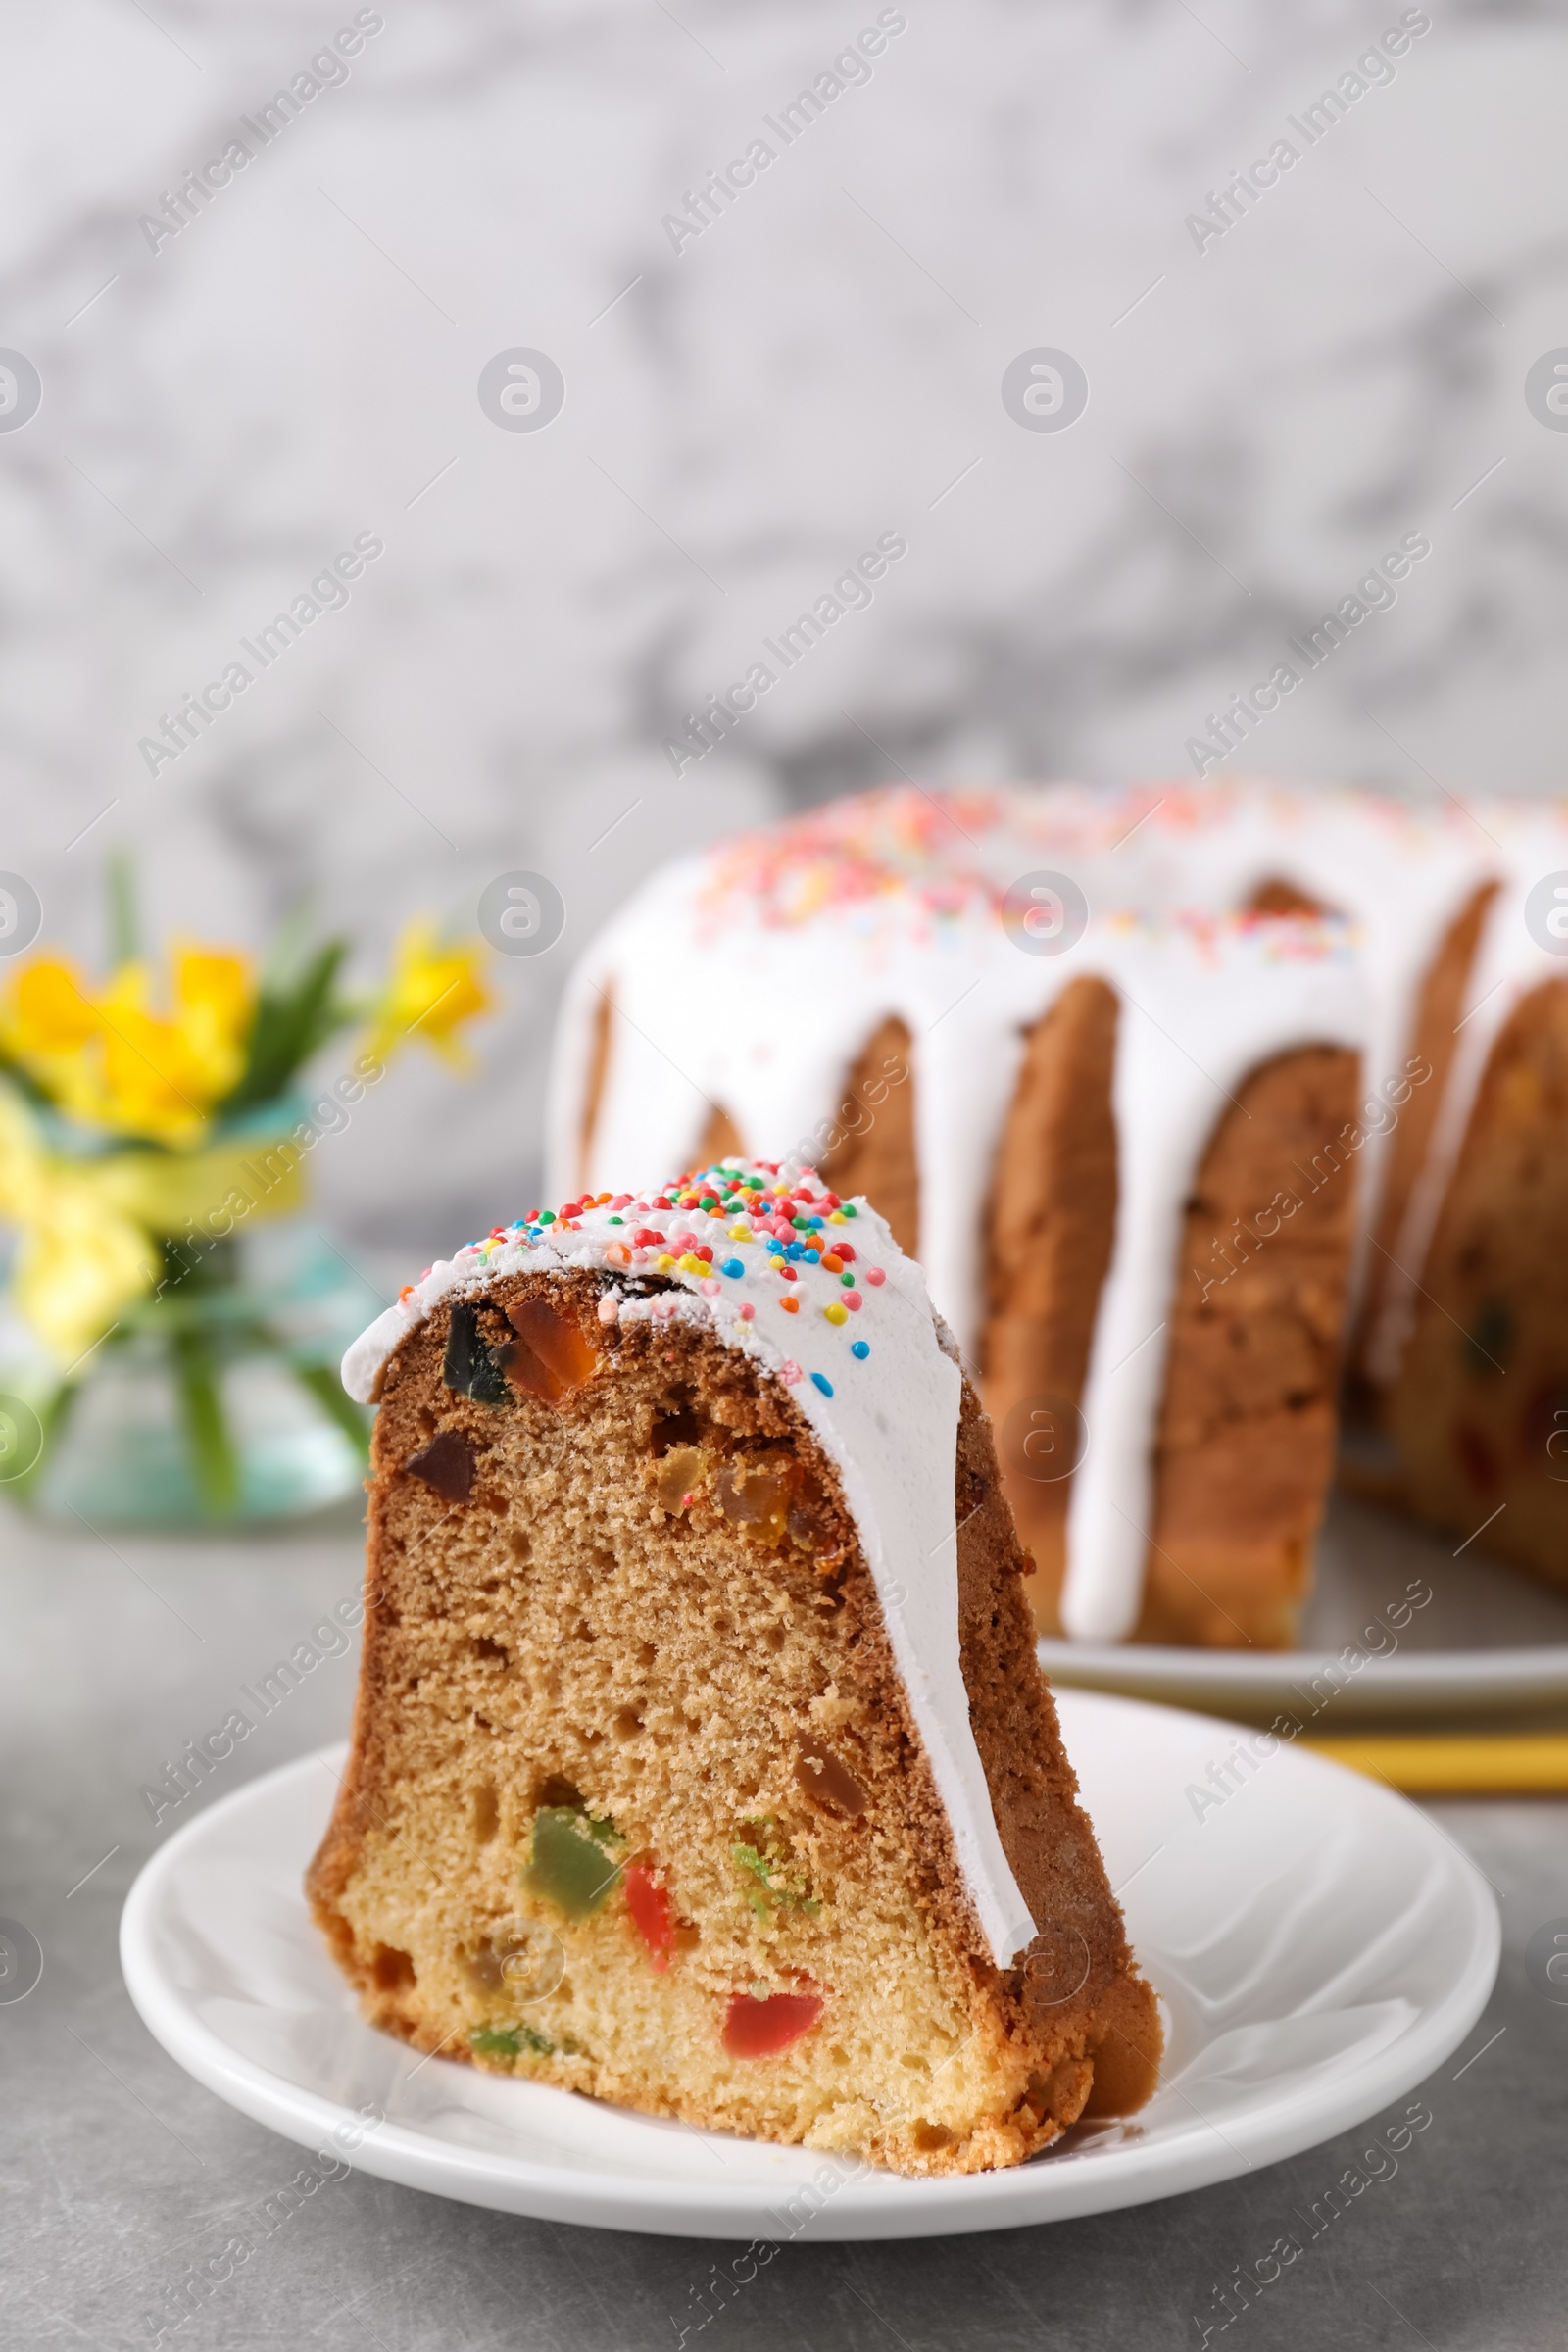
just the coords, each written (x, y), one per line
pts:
(836, 1216)
(664, 1263)
(691, 1264)
(836, 1313)
(740, 1233)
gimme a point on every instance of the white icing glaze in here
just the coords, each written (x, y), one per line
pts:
(798, 942)
(889, 1422)
(1530, 842)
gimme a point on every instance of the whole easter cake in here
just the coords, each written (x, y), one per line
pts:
(1192, 1101)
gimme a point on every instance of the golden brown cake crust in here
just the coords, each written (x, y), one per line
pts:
(872, 1148)
(559, 1628)
(1434, 1041)
(1479, 1410)
(1245, 1449)
(1051, 1228)
(1244, 1446)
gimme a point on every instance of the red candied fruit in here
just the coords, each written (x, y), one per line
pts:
(755, 2029)
(649, 1906)
(1478, 1459)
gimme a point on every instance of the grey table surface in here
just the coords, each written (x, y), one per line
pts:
(121, 2170)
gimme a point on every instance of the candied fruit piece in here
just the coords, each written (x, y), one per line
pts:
(826, 1778)
(1478, 1459)
(1490, 1337)
(679, 1476)
(550, 1357)
(812, 1524)
(510, 2041)
(776, 1884)
(755, 1495)
(761, 2028)
(649, 1905)
(446, 1464)
(569, 1863)
(470, 1366)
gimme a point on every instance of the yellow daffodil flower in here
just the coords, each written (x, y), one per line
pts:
(112, 1063)
(434, 986)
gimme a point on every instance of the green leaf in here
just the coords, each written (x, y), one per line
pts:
(323, 1384)
(208, 1441)
(52, 1422)
(293, 1019)
(29, 1088)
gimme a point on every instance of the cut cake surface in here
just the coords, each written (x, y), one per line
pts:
(702, 1761)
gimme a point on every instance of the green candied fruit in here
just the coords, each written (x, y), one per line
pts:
(1489, 1338)
(470, 1366)
(775, 1885)
(510, 2041)
(571, 1862)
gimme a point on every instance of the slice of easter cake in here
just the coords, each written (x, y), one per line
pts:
(702, 1761)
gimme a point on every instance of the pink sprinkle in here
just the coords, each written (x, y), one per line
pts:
(789, 1371)
(621, 1200)
(748, 1312)
(609, 1309)
(853, 1300)
(710, 1289)
(662, 1309)
(876, 1276)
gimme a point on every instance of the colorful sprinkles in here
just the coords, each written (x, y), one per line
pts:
(705, 1218)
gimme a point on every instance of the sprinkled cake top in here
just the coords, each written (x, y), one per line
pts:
(948, 852)
(756, 1237)
(817, 1290)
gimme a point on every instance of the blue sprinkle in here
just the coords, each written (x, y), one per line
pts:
(818, 1381)
(860, 1348)
(795, 1250)
(815, 1257)
(733, 1266)
(816, 1222)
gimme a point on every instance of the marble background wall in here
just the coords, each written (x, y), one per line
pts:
(224, 407)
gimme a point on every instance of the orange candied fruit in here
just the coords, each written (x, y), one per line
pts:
(550, 1357)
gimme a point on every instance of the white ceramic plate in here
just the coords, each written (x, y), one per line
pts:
(1320, 1946)
(1491, 1639)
